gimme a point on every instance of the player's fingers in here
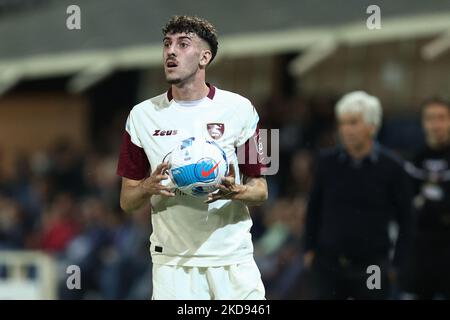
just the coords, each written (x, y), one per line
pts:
(221, 195)
(227, 181)
(160, 168)
(166, 193)
(228, 195)
(213, 196)
(162, 187)
(231, 172)
(165, 166)
(158, 178)
(223, 188)
(212, 199)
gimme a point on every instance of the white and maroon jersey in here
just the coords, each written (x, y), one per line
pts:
(186, 231)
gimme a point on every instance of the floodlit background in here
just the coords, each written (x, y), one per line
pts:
(65, 95)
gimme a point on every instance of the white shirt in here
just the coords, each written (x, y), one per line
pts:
(186, 231)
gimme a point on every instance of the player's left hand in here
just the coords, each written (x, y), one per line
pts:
(228, 189)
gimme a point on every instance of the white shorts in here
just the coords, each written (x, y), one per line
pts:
(234, 282)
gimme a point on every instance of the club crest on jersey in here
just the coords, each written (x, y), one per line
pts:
(215, 130)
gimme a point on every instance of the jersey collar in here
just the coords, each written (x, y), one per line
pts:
(211, 93)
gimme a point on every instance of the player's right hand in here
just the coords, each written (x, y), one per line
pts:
(152, 185)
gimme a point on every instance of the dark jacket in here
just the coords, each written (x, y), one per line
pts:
(352, 203)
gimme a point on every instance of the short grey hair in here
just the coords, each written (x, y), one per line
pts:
(361, 102)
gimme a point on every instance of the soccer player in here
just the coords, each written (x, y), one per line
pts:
(200, 249)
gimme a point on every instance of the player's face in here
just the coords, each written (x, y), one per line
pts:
(182, 54)
(436, 123)
(354, 131)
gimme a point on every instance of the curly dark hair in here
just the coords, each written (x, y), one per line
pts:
(201, 27)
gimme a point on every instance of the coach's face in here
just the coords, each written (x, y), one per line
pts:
(354, 131)
(436, 123)
(184, 55)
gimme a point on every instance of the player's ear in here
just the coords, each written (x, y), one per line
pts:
(205, 57)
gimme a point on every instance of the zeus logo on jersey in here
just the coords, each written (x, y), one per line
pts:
(161, 133)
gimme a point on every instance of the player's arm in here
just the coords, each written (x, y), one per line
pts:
(252, 192)
(136, 193)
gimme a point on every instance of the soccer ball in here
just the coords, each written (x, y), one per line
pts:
(197, 166)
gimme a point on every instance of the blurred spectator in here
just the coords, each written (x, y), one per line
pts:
(11, 225)
(100, 178)
(277, 251)
(66, 168)
(90, 246)
(127, 273)
(59, 226)
(427, 269)
(301, 173)
(321, 125)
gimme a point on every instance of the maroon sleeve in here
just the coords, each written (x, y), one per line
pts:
(133, 162)
(252, 166)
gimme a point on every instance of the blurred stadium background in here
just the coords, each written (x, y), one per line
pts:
(65, 95)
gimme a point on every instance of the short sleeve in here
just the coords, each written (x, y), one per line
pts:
(250, 147)
(133, 162)
(250, 122)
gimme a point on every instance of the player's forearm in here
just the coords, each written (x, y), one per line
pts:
(133, 198)
(254, 191)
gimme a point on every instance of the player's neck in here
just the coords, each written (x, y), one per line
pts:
(191, 91)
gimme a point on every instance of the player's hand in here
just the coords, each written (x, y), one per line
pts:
(152, 185)
(228, 189)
